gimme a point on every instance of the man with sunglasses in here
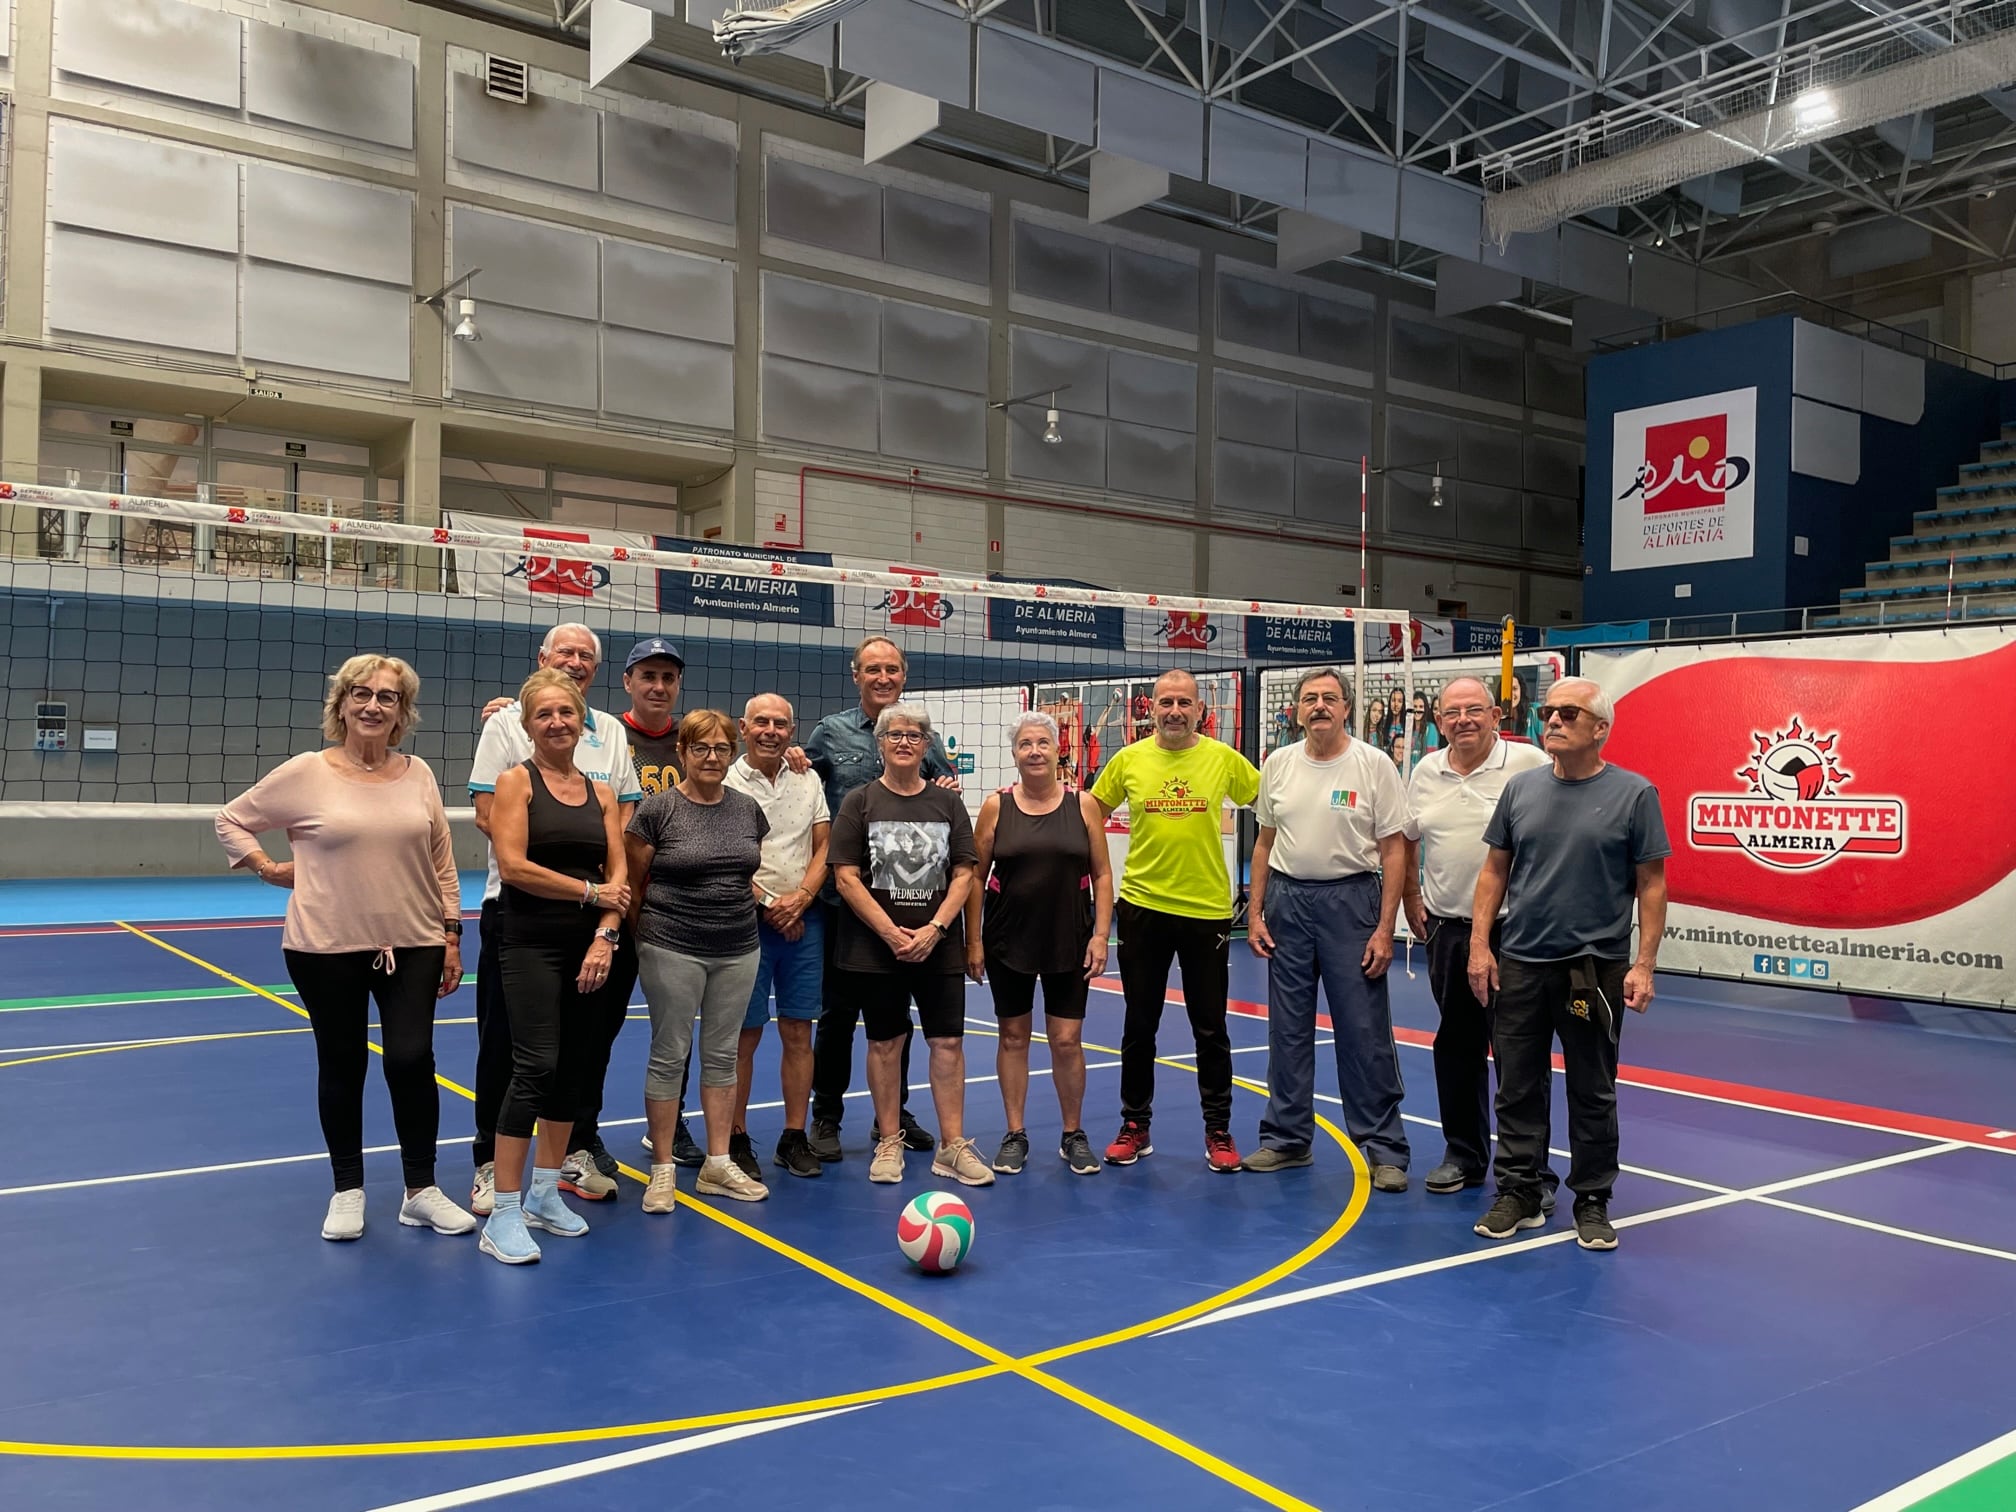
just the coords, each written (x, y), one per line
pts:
(1570, 850)
(1450, 797)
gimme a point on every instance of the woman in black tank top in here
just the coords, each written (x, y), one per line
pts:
(1043, 912)
(559, 844)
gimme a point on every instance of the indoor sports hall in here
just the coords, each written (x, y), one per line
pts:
(1080, 399)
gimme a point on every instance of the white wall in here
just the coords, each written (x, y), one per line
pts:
(1046, 543)
(877, 520)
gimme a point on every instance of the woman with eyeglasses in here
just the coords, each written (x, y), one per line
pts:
(693, 852)
(374, 913)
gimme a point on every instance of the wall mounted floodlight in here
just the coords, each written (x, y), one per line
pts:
(1053, 433)
(464, 327)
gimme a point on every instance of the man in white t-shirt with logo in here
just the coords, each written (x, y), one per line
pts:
(1450, 799)
(604, 756)
(1326, 890)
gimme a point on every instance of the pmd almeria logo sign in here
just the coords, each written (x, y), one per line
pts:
(1683, 481)
(1795, 814)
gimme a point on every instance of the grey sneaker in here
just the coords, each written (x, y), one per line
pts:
(1592, 1224)
(794, 1154)
(1076, 1151)
(1451, 1177)
(960, 1161)
(1388, 1178)
(580, 1175)
(1509, 1214)
(887, 1166)
(1014, 1152)
(1266, 1159)
(825, 1139)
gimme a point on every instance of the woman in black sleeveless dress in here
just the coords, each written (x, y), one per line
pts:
(559, 845)
(1047, 884)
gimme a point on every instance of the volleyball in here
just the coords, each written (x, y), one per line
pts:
(935, 1232)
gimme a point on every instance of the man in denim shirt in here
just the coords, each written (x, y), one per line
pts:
(843, 752)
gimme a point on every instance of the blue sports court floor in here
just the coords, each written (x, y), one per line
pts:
(1813, 1309)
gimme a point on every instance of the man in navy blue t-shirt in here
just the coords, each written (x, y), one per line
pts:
(1571, 849)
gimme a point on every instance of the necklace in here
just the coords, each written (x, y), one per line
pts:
(364, 766)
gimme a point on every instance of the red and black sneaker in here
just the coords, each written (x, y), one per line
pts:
(1219, 1152)
(1129, 1145)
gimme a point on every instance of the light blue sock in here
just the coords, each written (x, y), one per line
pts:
(506, 1201)
(545, 1182)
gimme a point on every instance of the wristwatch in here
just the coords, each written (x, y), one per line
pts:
(452, 926)
(613, 936)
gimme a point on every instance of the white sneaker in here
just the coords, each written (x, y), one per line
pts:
(887, 1166)
(721, 1177)
(580, 1175)
(346, 1215)
(430, 1207)
(483, 1192)
(662, 1195)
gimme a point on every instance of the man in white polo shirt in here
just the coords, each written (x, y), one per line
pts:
(1449, 800)
(790, 927)
(1326, 890)
(604, 755)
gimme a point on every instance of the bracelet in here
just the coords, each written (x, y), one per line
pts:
(590, 893)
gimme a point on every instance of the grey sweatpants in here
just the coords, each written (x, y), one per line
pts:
(679, 986)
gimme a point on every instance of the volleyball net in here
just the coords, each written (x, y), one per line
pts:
(171, 651)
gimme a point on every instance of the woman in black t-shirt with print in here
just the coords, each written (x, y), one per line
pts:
(903, 855)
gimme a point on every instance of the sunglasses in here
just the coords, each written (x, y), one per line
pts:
(1566, 713)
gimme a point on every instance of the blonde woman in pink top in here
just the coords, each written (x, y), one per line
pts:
(376, 913)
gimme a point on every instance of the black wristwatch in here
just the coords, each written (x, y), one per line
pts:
(452, 926)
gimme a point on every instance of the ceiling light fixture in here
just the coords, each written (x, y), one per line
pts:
(1813, 110)
(465, 328)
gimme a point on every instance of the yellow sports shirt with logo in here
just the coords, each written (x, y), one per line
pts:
(1175, 801)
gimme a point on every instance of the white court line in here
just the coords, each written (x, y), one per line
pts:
(183, 1039)
(1885, 1228)
(561, 1474)
(1940, 1477)
(1725, 1197)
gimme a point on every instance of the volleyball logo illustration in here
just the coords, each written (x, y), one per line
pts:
(935, 1232)
(1795, 815)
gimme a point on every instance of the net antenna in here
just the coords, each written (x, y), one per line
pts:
(1904, 59)
(749, 30)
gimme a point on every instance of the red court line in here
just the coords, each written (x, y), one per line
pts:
(1764, 1099)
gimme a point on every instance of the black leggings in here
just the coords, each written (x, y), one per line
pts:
(553, 1024)
(337, 990)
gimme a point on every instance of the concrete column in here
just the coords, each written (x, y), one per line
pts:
(20, 445)
(28, 178)
(738, 503)
(430, 212)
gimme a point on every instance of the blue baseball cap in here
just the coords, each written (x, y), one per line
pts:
(644, 650)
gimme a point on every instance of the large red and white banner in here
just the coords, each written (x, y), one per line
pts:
(1828, 829)
(537, 567)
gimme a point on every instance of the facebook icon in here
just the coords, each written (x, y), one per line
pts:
(1761, 965)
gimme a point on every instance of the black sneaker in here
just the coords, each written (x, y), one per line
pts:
(1509, 1214)
(743, 1155)
(917, 1138)
(1014, 1151)
(684, 1151)
(824, 1140)
(1592, 1224)
(794, 1154)
(604, 1161)
(1076, 1150)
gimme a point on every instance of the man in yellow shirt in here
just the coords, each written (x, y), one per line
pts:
(1175, 904)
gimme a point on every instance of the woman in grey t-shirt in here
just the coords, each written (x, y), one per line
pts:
(694, 849)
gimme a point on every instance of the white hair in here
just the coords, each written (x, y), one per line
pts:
(1599, 701)
(908, 714)
(754, 698)
(1037, 718)
(594, 640)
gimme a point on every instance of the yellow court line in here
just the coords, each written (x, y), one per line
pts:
(257, 991)
(153, 1044)
(998, 1361)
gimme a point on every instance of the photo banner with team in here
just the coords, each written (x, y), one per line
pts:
(1823, 835)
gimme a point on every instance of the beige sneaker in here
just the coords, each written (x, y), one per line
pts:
(962, 1163)
(581, 1176)
(888, 1162)
(721, 1177)
(661, 1195)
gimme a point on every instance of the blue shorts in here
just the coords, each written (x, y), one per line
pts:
(794, 967)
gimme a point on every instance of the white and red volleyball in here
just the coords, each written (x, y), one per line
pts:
(935, 1231)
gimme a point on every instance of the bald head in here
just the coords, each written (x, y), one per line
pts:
(1178, 709)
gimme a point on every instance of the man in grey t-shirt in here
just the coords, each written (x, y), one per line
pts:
(1570, 850)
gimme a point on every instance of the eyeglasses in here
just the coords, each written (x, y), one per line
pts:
(1474, 711)
(718, 752)
(905, 737)
(385, 698)
(1566, 713)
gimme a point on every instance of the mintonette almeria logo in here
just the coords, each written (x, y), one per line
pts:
(1683, 481)
(1795, 814)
